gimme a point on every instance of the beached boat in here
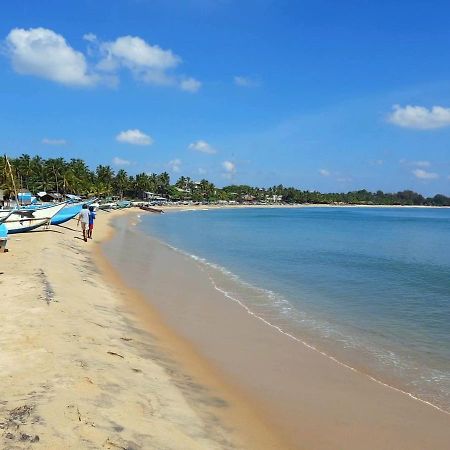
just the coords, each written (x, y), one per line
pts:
(23, 220)
(69, 211)
(150, 209)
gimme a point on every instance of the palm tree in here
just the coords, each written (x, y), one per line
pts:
(105, 176)
(121, 182)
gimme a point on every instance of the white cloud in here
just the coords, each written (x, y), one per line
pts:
(42, 52)
(175, 165)
(201, 171)
(134, 137)
(120, 162)
(136, 54)
(48, 141)
(242, 81)
(324, 172)
(229, 166)
(424, 175)
(203, 147)
(419, 117)
(377, 162)
(46, 54)
(90, 37)
(148, 63)
(190, 85)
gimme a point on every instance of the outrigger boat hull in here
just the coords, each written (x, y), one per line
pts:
(22, 220)
(69, 212)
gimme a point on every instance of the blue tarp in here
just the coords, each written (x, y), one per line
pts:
(3, 231)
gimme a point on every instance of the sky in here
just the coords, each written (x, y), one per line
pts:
(320, 95)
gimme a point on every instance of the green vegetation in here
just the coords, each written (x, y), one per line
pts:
(75, 177)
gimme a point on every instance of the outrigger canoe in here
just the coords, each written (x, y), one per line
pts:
(23, 220)
(150, 209)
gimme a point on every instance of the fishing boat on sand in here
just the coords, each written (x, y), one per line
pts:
(150, 209)
(69, 211)
(22, 220)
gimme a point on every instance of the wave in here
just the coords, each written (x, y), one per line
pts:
(284, 307)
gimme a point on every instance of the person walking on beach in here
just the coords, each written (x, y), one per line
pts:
(91, 221)
(83, 217)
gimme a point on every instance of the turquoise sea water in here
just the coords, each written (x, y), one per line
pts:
(368, 286)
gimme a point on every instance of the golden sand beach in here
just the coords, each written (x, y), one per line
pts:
(79, 370)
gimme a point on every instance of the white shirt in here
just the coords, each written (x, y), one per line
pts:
(84, 216)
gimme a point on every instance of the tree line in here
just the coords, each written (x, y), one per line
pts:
(75, 177)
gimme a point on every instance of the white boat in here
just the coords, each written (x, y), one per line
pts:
(22, 220)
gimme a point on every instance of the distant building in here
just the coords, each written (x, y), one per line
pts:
(50, 197)
(274, 198)
(152, 196)
(184, 191)
(24, 197)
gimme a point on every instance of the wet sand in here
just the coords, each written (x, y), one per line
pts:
(312, 400)
(83, 367)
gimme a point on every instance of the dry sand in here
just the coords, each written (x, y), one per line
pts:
(79, 371)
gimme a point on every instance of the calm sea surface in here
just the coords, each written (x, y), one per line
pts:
(369, 286)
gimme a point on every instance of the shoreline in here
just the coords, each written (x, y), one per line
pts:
(247, 309)
(257, 433)
(168, 208)
(392, 396)
(82, 371)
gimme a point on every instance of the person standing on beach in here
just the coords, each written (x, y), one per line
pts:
(91, 221)
(83, 217)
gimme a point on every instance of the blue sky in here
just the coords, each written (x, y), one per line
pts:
(317, 94)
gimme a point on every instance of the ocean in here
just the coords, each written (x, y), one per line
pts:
(369, 287)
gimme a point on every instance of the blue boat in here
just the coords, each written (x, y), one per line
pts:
(68, 212)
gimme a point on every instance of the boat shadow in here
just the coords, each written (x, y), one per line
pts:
(49, 230)
(66, 228)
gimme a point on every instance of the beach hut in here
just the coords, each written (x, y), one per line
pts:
(47, 197)
(24, 197)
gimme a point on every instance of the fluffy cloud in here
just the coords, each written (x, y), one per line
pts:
(190, 85)
(203, 147)
(419, 117)
(148, 63)
(245, 81)
(134, 53)
(47, 141)
(324, 172)
(175, 165)
(120, 162)
(46, 54)
(229, 167)
(424, 175)
(134, 137)
(90, 37)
